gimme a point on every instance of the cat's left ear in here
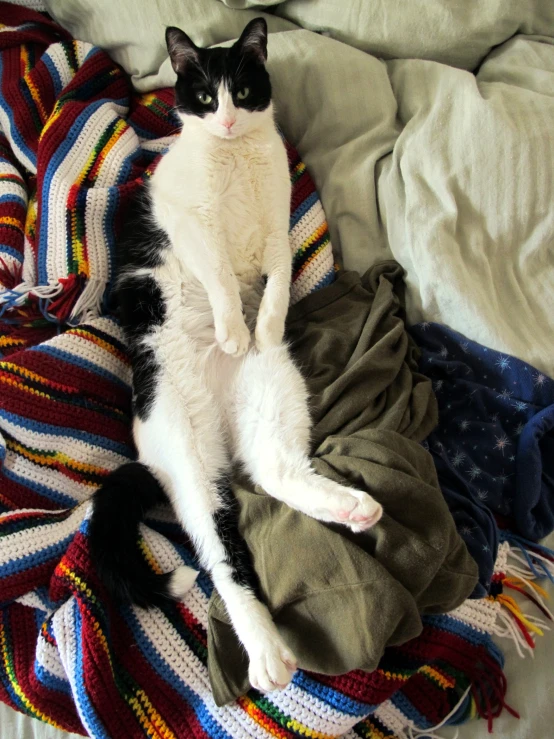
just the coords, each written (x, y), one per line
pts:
(253, 40)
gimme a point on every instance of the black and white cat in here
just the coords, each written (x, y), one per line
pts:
(213, 380)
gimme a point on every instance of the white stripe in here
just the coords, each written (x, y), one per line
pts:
(30, 541)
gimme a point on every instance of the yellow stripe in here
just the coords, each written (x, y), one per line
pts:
(9, 341)
(143, 546)
(25, 59)
(54, 115)
(99, 342)
(11, 221)
(30, 375)
(16, 686)
(35, 94)
(317, 234)
(248, 705)
(50, 459)
(94, 156)
(438, 677)
(21, 385)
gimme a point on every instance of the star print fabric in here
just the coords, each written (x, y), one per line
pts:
(494, 445)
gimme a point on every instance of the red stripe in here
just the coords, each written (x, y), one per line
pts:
(24, 633)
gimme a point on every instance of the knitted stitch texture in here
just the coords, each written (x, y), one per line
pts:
(77, 141)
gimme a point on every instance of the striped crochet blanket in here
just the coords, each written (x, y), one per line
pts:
(75, 141)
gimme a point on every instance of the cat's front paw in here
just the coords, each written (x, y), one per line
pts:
(232, 335)
(270, 330)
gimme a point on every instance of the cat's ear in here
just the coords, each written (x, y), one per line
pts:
(253, 40)
(182, 50)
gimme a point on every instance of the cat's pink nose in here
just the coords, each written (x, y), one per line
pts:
(229, 123)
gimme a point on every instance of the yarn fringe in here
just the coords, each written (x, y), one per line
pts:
(519, 565)
(516, 609)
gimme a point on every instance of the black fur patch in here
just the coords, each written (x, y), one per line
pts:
(139, 298)
(202, 70)
(142, 242)
(118, 508)
(238, 557)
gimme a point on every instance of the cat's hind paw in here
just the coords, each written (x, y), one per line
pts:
(273, 668)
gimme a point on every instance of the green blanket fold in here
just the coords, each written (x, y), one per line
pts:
(340, 598)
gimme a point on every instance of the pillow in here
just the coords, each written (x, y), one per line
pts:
(457, 33)
(133, 32)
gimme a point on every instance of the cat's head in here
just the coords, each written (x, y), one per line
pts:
(228, 90)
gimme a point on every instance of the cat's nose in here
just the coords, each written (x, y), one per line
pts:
(229, 123)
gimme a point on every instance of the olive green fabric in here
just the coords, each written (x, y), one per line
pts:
(340, 598)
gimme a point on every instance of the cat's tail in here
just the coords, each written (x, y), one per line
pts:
(119, 506)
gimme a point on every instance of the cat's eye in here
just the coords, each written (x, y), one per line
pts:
(244, 93)
(204, 98)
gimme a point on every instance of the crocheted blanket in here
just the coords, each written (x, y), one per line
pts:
(76, 140)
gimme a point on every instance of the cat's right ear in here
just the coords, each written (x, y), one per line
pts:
(182, 50)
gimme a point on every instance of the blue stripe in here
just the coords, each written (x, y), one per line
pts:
(82, 699)
(80, 362)
(56, 161)
(54, 551)
(331, 697)
(14, 132)
(328, 279)
(11, 252)
(46, 428)
(302, 209)
(66, 501)
(13, 198)
(51, 681)
(54, 74)
(205, 718)
(399, 700)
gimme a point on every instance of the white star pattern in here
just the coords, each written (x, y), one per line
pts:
(443, 352)
(502, 442)
(503, 363)
(505, 394)
(494, 418)
(539, 379)
(425, 325)
(463, 425)
(458, 458)
(486, 548)
(465, 347)
(465, 530)
(439, 384)
(519, 405)
(482, 494)
(474, 472)
(503, 479)
(519, 428)
(513, 458)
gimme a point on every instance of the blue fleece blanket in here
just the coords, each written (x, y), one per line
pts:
(494, 445)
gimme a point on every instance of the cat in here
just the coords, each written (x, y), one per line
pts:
(203, 291)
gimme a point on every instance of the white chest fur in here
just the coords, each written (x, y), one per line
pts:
(238, 189)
